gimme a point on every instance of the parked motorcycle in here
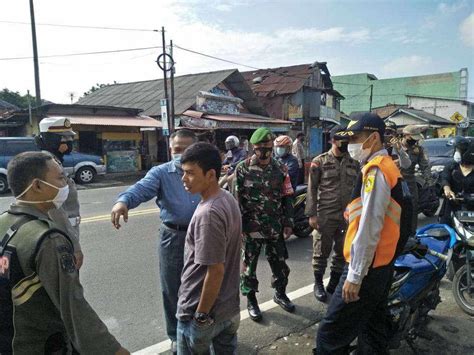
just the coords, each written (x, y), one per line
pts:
(461, 269)
(301, 228)
(415, 286)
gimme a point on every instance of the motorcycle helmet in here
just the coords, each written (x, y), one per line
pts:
(459, 143)
(468, 156)
(283, 141)
(231, 142)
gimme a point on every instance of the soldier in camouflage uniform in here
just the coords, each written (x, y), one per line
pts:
(411, 143)
(264, 192)
(331, 180)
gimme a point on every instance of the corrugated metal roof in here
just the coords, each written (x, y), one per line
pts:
(130, 121)
(279, 81)
(425, 116)
(287, 80)
(146, 95)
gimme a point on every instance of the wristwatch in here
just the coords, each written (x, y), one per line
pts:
(201, 317)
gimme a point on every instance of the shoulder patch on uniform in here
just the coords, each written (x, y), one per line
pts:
(67, 263)
(369, 181)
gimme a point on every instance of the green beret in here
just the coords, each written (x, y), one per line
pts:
(261, 135)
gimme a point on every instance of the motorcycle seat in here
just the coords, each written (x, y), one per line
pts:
(301, 189)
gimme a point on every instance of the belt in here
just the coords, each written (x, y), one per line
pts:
(75, 221)
(176, 227)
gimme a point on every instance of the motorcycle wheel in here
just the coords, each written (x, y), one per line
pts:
(460, 292)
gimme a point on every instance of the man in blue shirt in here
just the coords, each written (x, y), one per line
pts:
(176, 209)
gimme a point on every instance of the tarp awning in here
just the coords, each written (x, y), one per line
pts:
(121, 121)
(202, 120)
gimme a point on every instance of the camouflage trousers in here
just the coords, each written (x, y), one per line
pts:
(330, 236)
(276, 253)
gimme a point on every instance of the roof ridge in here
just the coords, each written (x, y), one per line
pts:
(178, 76)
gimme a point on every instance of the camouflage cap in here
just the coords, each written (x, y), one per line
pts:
(261, 135)
(414, 131)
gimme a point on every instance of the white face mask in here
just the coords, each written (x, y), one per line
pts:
(457, 157)
(58, 200)
(280, 151)
(357, 152)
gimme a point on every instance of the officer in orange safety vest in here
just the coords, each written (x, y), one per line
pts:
(357, 308)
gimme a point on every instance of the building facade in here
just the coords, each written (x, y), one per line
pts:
(365, 91)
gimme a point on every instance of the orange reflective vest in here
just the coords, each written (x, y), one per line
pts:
(390, 234)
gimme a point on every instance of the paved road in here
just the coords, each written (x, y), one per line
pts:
(120, 277)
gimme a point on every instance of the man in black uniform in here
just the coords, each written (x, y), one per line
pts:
(42, 304)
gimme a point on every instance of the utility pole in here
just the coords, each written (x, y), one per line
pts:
(29, 107)
(172, 88)
(35, 55)
(165, 76)
(371, 95)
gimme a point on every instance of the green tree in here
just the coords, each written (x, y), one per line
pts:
(97, 87)
(15, 98)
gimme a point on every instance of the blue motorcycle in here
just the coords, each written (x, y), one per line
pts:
(415, 287)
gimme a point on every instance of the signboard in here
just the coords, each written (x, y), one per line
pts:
(122, 161)
(457, 117)
(164, 117)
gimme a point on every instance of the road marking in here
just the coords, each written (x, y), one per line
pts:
(106, 217)
(166, 345)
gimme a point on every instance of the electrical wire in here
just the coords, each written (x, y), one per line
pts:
(83, 27)
(84, 53)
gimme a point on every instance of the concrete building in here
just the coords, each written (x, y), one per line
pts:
(365, 91)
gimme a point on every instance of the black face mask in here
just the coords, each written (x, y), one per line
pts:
(265, 153)
(411, 142)
(69, 148)
(343, 147)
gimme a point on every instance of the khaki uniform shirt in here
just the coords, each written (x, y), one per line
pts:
(54, 303)
(418, 156)
(330, 185)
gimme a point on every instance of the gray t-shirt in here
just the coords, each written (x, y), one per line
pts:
(214, 237)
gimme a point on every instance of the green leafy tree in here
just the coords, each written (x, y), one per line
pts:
(15, 98)
(97, 87)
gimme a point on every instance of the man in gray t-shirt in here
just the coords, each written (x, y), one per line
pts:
(208, 306)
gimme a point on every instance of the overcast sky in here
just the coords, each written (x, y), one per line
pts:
(386, 38)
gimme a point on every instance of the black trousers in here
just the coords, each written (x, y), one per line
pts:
(366, 319)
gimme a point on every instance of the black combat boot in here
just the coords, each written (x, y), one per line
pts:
(282, 300)
(333, 282)
(252, 306)
(319, 291)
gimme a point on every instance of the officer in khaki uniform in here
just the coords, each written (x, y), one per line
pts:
(56, 137)
(42, 304)
(331, 180)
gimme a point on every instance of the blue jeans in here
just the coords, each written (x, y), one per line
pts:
(219, 338)
(171, 254)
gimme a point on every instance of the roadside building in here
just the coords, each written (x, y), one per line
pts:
(458, 111)
(215, 104)
(365, 91)
(435, 126)
(303, 94)
(124, 137)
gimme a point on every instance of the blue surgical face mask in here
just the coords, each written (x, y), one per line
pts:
(280, 151)
(176, 158)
